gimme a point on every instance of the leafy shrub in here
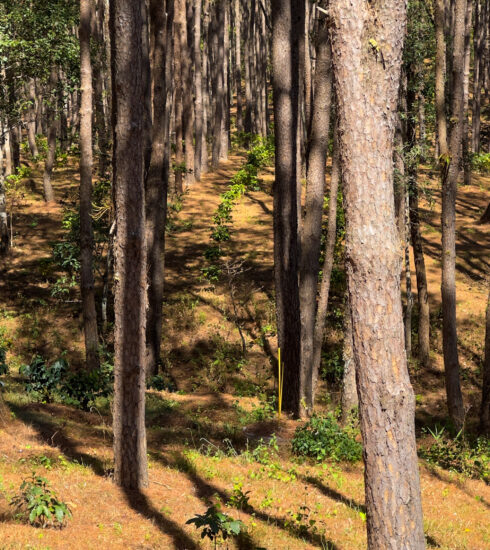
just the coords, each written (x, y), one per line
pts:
(480, 162)
(458, 454)
(44, 379)
(215, 525)
(322, 437)
(161, 383)
(83, 387)
(40, 504)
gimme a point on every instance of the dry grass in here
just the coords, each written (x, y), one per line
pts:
(185, 430)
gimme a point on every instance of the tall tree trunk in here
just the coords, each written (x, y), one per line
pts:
(440, 79)
(187, 100)
(31, 122)
(311, 235)
(156, 190)
(179, 24)
(466, 93)
(450, 166)
(205, 87)
(224, 36)
(287, 26)
(218, 33)
(485, 398)
(4, 227)
(238, 66)
(86, 162)
(367, 80)
(327, 263)
(131, 467)
(198, 88)
(52, 130)
(480, 37)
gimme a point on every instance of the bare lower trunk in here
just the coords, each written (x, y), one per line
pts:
(51, 154)
(31, 121)
(86, 161)
(466, 94)
(131, 466)
(485, 400)
(238, 66)
(450, 172)
(198, 88)
(4, 228)
(367, 94)
(287, 25)
(312, 223)
(156, 191)
(328, 262)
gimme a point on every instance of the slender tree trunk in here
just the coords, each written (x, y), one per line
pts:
(187, 99)
(198, 88)
(205, 87)
(52, 130)
(311, 235)
(131, 467)
(485, 399)
(367, 82)
(466, 93)
(440, 79)
(218, 83)
(327, 263)
(86, 161)
(179, 24)
(450, 166)
(238, 66)
(156, 191)
(287, 26)
(31, 122)
(224, 37)
(4, 227)
(350, 401)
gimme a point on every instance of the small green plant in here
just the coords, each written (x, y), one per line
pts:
(39, 504)
(322, 437)
(43, 379)
(459, 454)
(82, 387)
(216, 526)
(238, 498)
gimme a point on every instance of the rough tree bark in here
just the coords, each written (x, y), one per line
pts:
(367, 78)
(450, 170)
(86, 162)
(131, 467)
(198, 88)
(287, 26)
(156, 189)
(311, 234)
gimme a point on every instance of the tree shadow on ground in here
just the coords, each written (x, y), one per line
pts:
(141, 504)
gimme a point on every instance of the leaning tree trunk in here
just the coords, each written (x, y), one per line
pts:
(367, 76)
(311, 234)
(131, 466)
(86, 162)
(287, 27)
(485, 396)
(450, 167)
(328, 262)
(52, 126)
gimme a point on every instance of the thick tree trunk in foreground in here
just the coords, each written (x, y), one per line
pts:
(287, 27)
(156, 191)
(86, 162)
(367, 90)
(311, 235)
(131, 467)
(485, 400)
(450, 168)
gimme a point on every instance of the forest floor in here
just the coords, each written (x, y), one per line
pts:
(201, 437)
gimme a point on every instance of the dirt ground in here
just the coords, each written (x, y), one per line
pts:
(198, 436)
